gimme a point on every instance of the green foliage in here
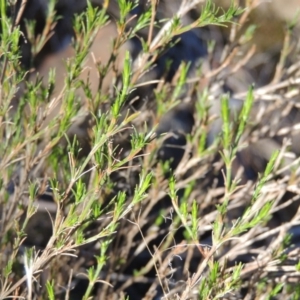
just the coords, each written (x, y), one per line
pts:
(113, 203)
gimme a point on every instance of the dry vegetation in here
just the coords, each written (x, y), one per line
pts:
(149, 151)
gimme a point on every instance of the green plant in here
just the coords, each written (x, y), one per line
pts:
(119, 218)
